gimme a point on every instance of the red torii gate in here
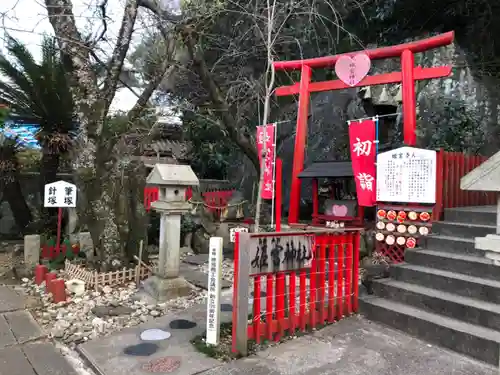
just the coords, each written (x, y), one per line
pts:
(408, 75)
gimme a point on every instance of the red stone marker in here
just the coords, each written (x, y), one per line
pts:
(48, 279)
(58, 290)
(40, 272)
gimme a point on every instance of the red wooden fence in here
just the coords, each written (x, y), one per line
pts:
(451, 167)
(50, 251)
(216, 200)
(328, 297)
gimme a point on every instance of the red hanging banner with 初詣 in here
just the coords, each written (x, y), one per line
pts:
(265, 138)
(362, 140)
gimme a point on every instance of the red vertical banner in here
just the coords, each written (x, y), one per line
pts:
(362, 137)
(265, 138)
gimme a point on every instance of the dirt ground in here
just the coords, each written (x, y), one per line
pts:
(11, 262)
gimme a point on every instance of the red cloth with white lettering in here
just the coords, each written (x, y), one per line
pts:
(363, 156)
(268, 140)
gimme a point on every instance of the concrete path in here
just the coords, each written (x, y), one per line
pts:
(355, 346)
(23, 347)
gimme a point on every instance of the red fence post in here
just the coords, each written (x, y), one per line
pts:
(269, 306)
(348, 272)
(438, 208)
(331, 277)
(280, 304)
(278, 192)
(340, 278)
(256, 308)
(312, 283)
(322, 277)
(355, 277)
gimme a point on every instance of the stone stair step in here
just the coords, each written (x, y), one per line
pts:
(464, 285)
(454, 262)
(472, 340)
(452, 244)
(468, 230)
(478, 215)
(467, 309)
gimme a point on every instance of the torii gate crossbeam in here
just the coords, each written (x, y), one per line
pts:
(408, 75)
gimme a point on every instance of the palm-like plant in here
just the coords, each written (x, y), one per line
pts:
(40, 91)
(9, 179)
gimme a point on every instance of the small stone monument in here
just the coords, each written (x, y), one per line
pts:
(486, 177)
(172, 181)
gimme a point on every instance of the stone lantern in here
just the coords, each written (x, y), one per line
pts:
(172, 181)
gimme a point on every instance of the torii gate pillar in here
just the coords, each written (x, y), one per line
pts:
(408, 75)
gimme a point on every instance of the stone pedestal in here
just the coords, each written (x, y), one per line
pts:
(163, 289)
(491, 245)
(170, 243)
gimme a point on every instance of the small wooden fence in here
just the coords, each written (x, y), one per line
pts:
(94, 279)
(311, 278)
(451, 167)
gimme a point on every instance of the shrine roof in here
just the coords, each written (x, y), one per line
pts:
(328, 169)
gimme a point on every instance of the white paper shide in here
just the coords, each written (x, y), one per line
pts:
(214, 288)
(233, 231)
(59, 194)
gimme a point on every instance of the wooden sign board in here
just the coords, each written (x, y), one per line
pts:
(278, 253)
(407, 174)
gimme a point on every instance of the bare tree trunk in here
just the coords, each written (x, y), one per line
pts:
(270, 76)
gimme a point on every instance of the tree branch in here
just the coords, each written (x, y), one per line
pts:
(154, 7)
(119, 52)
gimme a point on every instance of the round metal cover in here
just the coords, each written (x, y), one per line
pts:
(226, 307)
(144, 349)
(182, 324)
(155, 335)
(162, 365)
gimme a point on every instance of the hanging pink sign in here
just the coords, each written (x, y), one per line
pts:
(266, 139)
(352, 69)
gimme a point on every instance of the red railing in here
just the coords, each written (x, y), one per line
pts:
(330, 295)
(451, 167)
(215, 200)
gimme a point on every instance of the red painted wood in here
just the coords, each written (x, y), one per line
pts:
(331, 276)
(374, 54)
(409, 101)
(269, 306)
(300, 141)
(355, 274)
(291, 302)
(236, 261)
(348, 272)
(446, 180)
(321, 261)
(302, 299)
(280, 304)
(313, 292)
(340, 278)
(315, 201)
(256, 308)
(279, 192)
(419, 74)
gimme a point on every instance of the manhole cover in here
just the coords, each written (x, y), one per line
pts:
(162, 365)
(226, 307)
(155, 335)
(141, 350)
(182, 324)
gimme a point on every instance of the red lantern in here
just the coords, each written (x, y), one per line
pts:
(381, 214)
(391, 215)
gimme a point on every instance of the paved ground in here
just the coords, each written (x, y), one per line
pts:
(355, 346)
(23, 348)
